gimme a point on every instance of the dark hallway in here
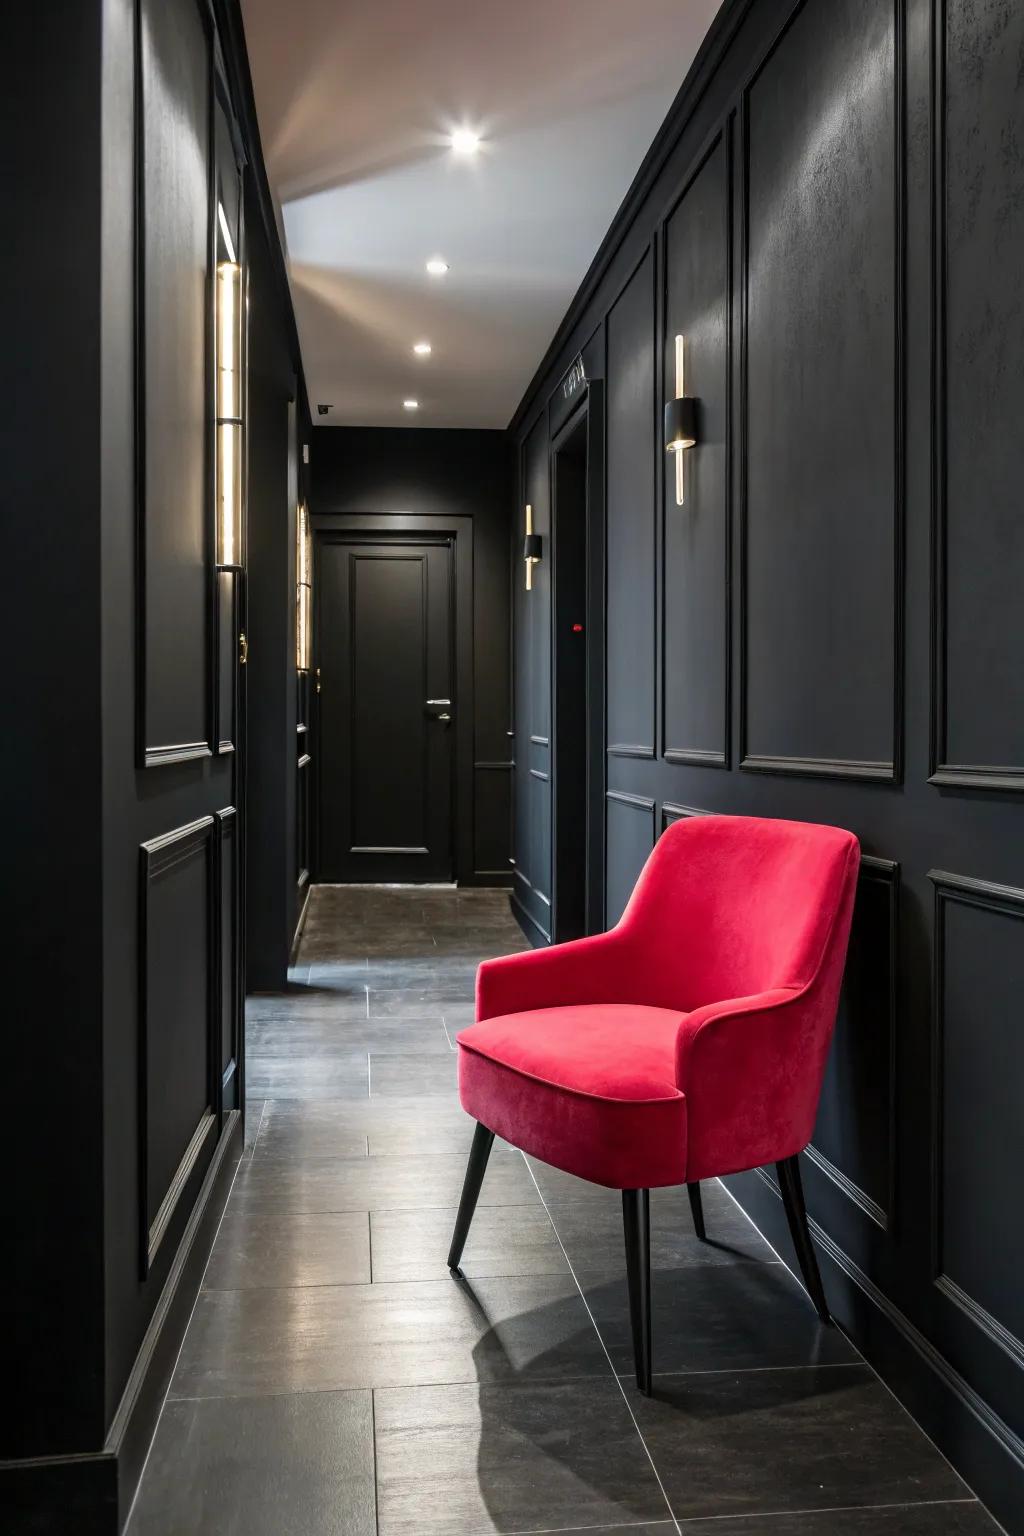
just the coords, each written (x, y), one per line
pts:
(336, 1379)
(512, 570)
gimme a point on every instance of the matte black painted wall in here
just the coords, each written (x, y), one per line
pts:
(435, 472)
(122, 863)
(53, 768)
(829, 628)
(272, 903)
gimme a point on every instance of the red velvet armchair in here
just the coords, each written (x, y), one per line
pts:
(688, 1042)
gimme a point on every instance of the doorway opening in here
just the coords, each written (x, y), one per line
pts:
(569, 619)
(387, 703)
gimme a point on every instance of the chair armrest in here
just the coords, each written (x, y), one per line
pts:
(592, 970)
(751, 1069)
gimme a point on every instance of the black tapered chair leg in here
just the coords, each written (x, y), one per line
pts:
(697, 1209)
(636, 1225)
(479, 1152)
(796, 1214)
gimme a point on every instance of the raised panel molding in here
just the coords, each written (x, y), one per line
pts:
(883, 876)
(981, 431)
(227, 988)
(631, 440)
(175, 623)
(163, 859)
(671, 812)
(697, 274)
(994, 901)
(753, 758)
(631, 850)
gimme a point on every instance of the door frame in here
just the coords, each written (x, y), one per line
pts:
(382, 527)
(589, 408)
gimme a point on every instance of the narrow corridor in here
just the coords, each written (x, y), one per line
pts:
(336, 1381)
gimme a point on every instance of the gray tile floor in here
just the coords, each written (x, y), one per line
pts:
(336, 1381)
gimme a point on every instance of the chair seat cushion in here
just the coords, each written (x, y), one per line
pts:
(590, 1089)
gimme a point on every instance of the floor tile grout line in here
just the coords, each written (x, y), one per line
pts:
(604, 1348)
(373, 1441)
(902, 1406)
(821, 1509)
(754, 1370)
(467, 1384)
(255, 1143)
(575, 1530)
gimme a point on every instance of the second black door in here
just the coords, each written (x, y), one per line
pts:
(387, 710)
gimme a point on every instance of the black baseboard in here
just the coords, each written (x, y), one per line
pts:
(91, 1495)
(487, 879)
(985, 1451)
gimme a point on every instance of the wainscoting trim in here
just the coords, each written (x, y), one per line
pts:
(156, 857)
(814, 767)
(1007, 900)
(958, 1419)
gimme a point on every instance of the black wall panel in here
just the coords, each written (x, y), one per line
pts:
(174, 380)
(696, 717)
(831, 216)
(270, 625)
(979, 982)
(227, 653)
(177, 934)
(853, 1138)
(629, 510)
(980, 465)
(629, 833)
(229, 938)
(821, 395)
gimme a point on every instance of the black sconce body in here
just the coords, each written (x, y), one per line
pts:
(681, 423)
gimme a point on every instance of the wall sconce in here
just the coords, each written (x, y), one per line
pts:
(680, 420)
(229, 415)
(531, 548)
(303, 590)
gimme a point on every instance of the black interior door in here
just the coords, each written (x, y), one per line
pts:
(386, 709)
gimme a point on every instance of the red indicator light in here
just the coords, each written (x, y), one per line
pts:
(577, 629)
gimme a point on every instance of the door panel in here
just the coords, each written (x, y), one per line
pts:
(386, 710)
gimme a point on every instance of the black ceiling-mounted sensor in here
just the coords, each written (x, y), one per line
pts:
(322, 410)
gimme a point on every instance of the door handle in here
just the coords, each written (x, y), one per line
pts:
(444, 717)
(439, 701)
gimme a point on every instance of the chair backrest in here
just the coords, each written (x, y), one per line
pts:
(728, 906)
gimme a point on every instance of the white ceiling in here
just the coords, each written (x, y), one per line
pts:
(356, 99)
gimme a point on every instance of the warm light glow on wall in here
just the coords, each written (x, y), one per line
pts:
(303, 590)
(230, 479)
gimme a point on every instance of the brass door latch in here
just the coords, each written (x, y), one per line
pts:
(243, 649)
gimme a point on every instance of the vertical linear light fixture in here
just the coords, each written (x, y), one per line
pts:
(229, 302)
(303, 589)
(680, 420)
(531, 548)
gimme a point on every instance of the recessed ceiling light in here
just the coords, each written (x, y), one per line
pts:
(411, 405)
(422, 349)
(464, 141)
(437, 266)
